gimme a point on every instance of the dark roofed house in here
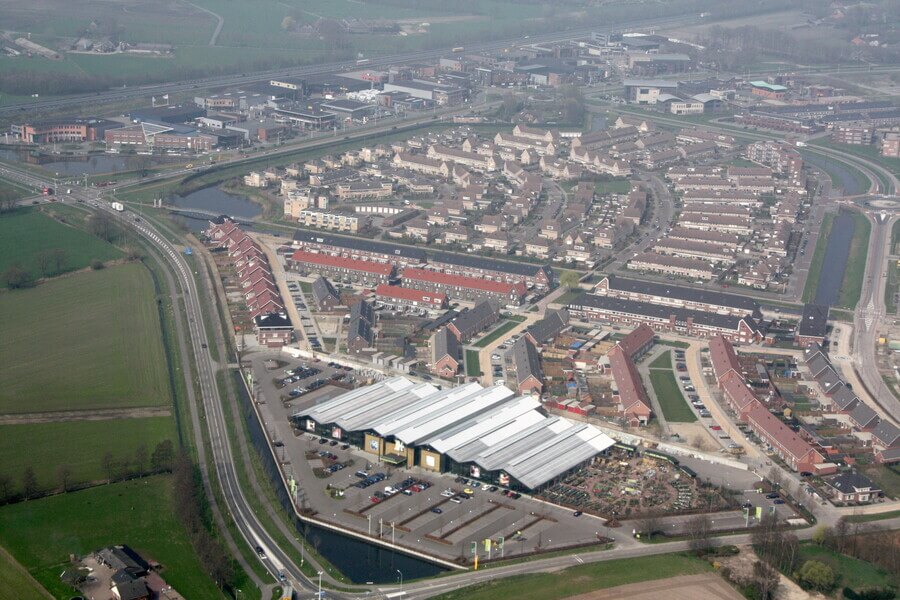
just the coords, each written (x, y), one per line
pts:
(527, 365)
(445, 353)
(639, 341)
(123, 558)
(363, 310)
(852, 487)
(678, 296)
(813, 325)
(886, 435)
(325, 296)
(548, 328)
(359, 336)
(470, 322)
(131, 590)
(273, 330)
(844, 399)
(474, 266)
(396, 253)
(863, 417)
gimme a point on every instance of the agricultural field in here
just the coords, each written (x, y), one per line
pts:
(25, 233)
(86, 342)
(41, 534)
(583, 579)
(79, 445)
(16, 581)
(671, 400)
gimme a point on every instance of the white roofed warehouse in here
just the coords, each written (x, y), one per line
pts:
(486, 433)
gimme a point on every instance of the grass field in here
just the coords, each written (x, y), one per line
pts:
(78, 444)
(892, 287)
(26, 232)
(570, 295)
(41, 534)
(582, 579)
(83, 342)
(671, 400)
(16, 582)
(873, 517)
(887, 478)
(496, 334)
(13, 190)
(663, 361)
(473, 366)
(856, 263)
(851, 572)
(614, 186)
(815, 266)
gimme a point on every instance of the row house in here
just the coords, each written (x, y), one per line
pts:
(338, 267)
(672, 265)
(359, 248)
(537, 276)
(632, 401)
(606, 138)
(422, 164)
(661, 318)
(464, 288)
(599, 163)
(739, 225)
(536, 133)
(698, 250)
(677, 296)
(543, 148)
(469, 159)
(403, 297)
(560, 169)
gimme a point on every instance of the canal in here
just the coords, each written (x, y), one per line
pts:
(853, 182)
(831, 276)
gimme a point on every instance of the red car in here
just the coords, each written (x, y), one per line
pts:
(375, 499)
(715, 428)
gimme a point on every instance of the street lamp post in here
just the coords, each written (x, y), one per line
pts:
(320, 585)
(401, 579)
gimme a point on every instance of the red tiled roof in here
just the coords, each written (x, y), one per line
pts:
(632, 394)
(486, 285)
(411, 294)
(792, 443)
(723, 357)
(737, 392)
(327, 260)
(636, 340)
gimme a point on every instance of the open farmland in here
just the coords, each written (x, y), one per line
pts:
(84, 342)
(25, 233)
(41, 534)
(79, 445)
(15, 580)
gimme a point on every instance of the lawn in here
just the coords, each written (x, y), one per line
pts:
(13, 190)
(16, 582)
(83, 342)
(78, 444)
(671, 400)
(851, 572)
(856, 263)
(892, 286)
(41, 534)
(613, 186)
(473, 366)
(873, 517)
(815, 266)
(582, 579)
(887, 478)
(570, 295)
(26, 232)
(895, 237)
(496, 334)
(663, 361)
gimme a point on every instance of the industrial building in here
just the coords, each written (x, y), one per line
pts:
(485, 433)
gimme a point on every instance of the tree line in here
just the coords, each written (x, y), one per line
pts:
(141, 464)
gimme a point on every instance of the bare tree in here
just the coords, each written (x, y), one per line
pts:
(109, 464)
(100, 225)
(58, 258)
(699, 529)
(649, 524)
(64, 474)
(765, 578)
(29, 482)
(141, 458)
(6, 489)
(775, 477)
(44, 262)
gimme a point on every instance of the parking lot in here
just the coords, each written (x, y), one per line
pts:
(424, 514)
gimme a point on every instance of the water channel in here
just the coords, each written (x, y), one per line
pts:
(837, 252)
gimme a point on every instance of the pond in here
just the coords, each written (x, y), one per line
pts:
(215, 202)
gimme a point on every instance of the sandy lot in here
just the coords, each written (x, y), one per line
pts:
(688, 587)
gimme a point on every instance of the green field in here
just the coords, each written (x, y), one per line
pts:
(815, 266)
(26, 232)
(895, 238)
(582, 579)
(851, 572)
(497, 333)
(886, 477)
(11, 190)
(873, 517)
(83, 342)
(613, 186)
(79, 445)
(41, 534)
(473, 366)
(663, 361)
(892, 287)
(16, 582)
(671, 400)
(856, 263)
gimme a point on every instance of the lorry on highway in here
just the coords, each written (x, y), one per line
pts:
(118, 206)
